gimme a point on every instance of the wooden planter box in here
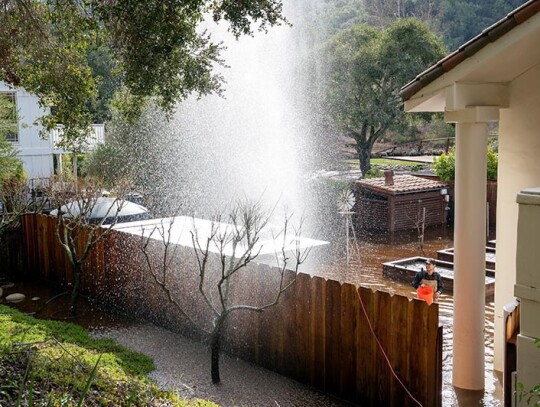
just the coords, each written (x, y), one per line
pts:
(448, 255)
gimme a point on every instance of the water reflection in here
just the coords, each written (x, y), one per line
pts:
(46, 302)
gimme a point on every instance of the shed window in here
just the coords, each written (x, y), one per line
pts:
(8, 116)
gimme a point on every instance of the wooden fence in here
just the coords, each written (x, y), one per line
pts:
(11, 255)
(318, 334)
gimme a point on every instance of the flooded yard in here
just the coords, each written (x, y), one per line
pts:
(365, 268)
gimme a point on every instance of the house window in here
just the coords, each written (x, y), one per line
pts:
(8, 116)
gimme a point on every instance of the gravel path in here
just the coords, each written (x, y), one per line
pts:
(184, 366)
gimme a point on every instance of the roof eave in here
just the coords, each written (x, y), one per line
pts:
(470, 48)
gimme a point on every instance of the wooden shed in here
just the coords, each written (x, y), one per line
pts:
(397, 202)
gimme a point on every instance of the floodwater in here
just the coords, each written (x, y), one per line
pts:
(366, 254)
(46, 302)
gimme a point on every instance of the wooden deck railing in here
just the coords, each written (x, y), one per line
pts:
(95, 137)
(318, 334)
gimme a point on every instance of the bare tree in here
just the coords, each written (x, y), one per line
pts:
(382, 12)
(16, 199)
(79, 226)
(420, 225)
(14, 202)
(222, 251)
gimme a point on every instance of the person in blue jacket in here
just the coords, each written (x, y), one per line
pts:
(429, 277)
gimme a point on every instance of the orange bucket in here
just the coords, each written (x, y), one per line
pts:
(425, 293)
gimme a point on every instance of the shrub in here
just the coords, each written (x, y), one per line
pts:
(445, 165)
(374, 172)
(492, 164)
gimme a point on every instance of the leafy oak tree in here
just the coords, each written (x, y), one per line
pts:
(157, 49)
(366, 67)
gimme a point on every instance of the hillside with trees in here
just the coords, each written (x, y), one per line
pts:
(356, 97)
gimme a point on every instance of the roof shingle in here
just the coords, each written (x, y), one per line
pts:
(403, 184)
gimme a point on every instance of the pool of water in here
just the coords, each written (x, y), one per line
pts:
(47, 302)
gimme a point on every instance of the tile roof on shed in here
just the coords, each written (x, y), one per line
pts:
(403, 184)
(489, 35)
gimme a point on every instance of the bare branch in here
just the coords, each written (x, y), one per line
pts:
(205, 253)
(145, 242)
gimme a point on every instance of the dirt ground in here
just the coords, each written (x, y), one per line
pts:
(184, 366)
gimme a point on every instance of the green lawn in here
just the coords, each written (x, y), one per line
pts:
(59, 364)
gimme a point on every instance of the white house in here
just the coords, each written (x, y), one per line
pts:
(35, 151)
(493, 77)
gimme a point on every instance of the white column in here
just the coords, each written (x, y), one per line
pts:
(469, 243)
(75, 169)
(59, 164)
(469, 256)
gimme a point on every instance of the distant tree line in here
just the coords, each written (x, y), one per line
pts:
(456, 21)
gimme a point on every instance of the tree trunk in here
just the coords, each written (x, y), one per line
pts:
(364, 156)
(214, 347)
(77, 269)
(363, 148)
(75, 169)
(215, 339)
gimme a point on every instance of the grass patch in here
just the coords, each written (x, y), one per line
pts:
(59, 364)
(20, 328)
(388, 161)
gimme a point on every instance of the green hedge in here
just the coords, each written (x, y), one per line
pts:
(445, 165)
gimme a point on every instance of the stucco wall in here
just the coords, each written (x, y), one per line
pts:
(519, 168)
(528, 288)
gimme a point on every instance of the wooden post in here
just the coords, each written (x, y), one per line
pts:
(487, 221)
(75, 169)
